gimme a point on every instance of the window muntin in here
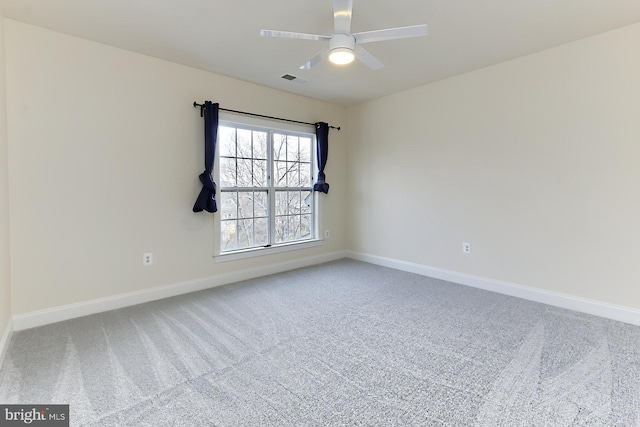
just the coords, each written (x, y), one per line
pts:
(266, 187)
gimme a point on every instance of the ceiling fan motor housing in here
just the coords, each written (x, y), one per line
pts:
(342, 41)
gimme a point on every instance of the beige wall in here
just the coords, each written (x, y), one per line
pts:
(106, 149)
(5, 291)
(535, 162)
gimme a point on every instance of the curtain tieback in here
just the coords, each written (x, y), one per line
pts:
(322, 186)
(207, 181)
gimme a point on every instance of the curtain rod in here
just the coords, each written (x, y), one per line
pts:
(195, 105)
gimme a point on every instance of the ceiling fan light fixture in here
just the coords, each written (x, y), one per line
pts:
(341, 56)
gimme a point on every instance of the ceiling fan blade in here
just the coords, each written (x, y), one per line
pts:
(315, 59)
(391, 33)
(291, 35)
(342, 16)
(367, 59)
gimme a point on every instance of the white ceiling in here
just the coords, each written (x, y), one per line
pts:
(223, 36)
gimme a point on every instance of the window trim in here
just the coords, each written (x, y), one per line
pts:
(231, 119)
(270, 250)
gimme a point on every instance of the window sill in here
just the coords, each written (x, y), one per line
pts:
(255, 252)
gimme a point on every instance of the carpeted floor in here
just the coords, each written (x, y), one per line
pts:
(344, 343)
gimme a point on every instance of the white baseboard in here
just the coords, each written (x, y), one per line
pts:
(4, 341)
(71, 311)
(66, 312)
(584, 305)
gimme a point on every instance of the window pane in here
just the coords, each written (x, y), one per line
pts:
(282, 203)
(305, 227)
(259, 145)
(294, 227)
(261, 232)
(281, 229)
(306, 201)
(305, 150)
(292, 148)
(259, 173)
(260, 203)
(227, 172)
(287, 202)
(294, 202)
(228, 235)
(280, 171)
(245, 204)
(280, 147)
(245, 233)
(245, 174)
(244, 143)
(228, 205)
(293, 174)
(305, 174)
(227, 141)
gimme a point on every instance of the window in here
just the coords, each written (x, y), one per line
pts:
(266, 189)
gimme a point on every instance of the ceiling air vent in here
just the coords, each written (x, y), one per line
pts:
(293, 78)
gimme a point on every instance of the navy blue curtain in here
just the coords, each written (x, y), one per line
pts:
(322, 136)
(207, 198)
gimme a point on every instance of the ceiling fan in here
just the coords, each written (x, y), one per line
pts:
(344, 46)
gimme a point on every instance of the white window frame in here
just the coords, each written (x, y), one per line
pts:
(230, 119)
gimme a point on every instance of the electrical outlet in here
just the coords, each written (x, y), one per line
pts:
(326, 234)
(466, 248)
(147, 258)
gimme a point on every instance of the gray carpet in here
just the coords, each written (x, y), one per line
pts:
(344, 343)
